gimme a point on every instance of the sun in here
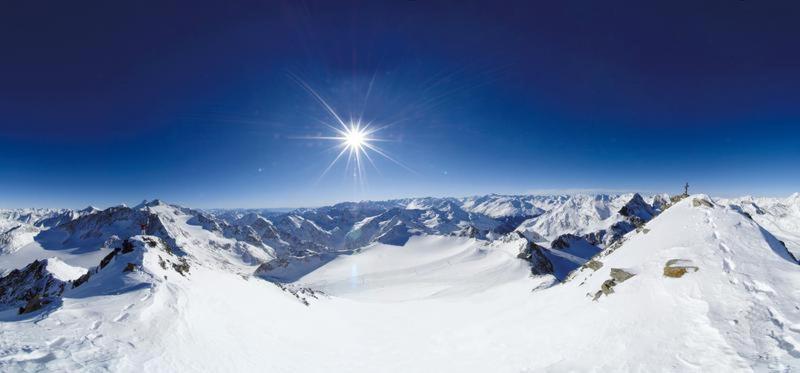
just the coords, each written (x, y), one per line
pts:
(355, 138)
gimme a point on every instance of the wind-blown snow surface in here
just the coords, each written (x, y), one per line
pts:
(441, 304)
(780, 216)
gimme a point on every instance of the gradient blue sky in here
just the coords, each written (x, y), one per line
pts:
(104, 102)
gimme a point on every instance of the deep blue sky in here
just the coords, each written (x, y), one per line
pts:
(194, 103)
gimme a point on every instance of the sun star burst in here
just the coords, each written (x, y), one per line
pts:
(355, 139)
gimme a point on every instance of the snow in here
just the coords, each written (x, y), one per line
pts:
(34, 250)
(426, 267)
(64, 271)
(579, 214)
(780, 216)
(437, 303)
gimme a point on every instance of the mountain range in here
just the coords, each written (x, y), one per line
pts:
(495, 282)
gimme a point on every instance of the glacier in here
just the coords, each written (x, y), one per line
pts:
(488, 283)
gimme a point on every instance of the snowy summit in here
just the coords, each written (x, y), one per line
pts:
(695, 284)
(400, 186)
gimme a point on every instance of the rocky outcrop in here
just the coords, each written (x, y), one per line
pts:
(564, 241)
(637, 211)
(594, 265)
(577, 246)
(469, 231)
(660, 202)
(677, 198)
(676, 268)
(181, 266)
(32, 287)
(698, 202)
(303, 294)
(533, 254)
(618, 276)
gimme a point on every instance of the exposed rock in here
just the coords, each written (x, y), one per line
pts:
(564, 241)
(637, 211)
(677, 198)
(34, 281)
(127, 246)
(676, 268)
(181, 267)
(697, 202)
(107, 259)
(303, 294)
(152, 241)
(594, 264)
(660, 203)
(271, 265)
(532, 253)
(131, 267)
(739, 209)
(470, 231)
(81, 280)
(608, 287)
(620, 275)
(34, 304)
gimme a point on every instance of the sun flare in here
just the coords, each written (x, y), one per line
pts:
(355, 138)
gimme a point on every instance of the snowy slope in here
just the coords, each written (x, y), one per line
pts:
(438, 303)
(579, 215)
(780, 216)
(738, 311)
(426, 267)
(18, 227)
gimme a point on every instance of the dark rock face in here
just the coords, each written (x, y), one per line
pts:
(34, 304)
(31, 287)
(637, 211)
(81, 280)
(181, 267)
(564, 241)
(127, 246)
(469, 231)
(104, 262)
(574, 245)
(532, 253)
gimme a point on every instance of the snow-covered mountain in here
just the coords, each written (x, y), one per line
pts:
(19, 226)
(780, 216)
(476, 284)
(604, 217)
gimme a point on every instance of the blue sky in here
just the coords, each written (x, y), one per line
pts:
(196, 103)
